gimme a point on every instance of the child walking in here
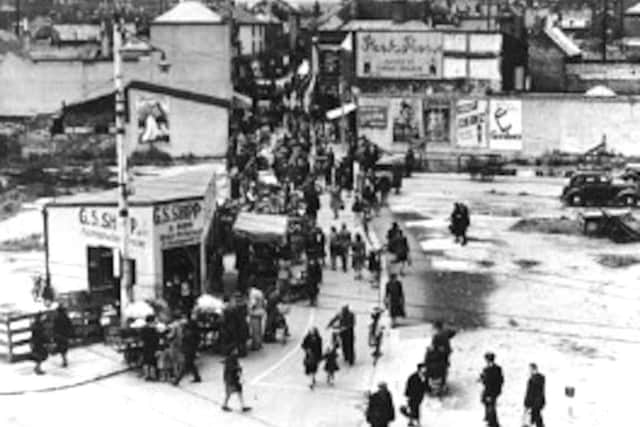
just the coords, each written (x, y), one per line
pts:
(331, 363)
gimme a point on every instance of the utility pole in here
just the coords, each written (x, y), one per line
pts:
(605, 25)
(126, 296)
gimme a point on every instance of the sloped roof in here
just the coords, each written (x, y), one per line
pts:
(560, 39)
(239, 14)
(189, 12)
(633, 10)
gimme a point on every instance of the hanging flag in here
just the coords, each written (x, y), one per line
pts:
(347, 43)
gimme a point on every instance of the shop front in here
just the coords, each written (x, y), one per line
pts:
(167, 230)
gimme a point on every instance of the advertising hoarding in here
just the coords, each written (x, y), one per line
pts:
(399, 54)
(373, 116)
(505, 124)
(471, 123)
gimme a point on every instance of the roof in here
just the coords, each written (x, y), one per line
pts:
(633, 10)
(179, 93)
(173, 184)
(78, 32)
(384, 24)
(189, 12)
(564, 43)
(239, 14)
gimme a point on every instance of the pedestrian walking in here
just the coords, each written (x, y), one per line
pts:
(417, 386)
(62, 333)
(409, 161)
(441, 343)
(313, 280)
(39, 352)
(335, 203)
(534, 399)
(334, 247)
(492, 381)
(150, 345)
(380, 409)
(358, 255)
(331, 366)
(257, 313)
(190, 344)
(394, 299)
(345, 322)
(402, 252)
(460, 222)
(232, 376)
(344, 237)
(312, 347)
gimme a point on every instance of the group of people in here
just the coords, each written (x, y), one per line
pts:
(51, 337)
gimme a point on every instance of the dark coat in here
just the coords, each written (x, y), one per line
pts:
(312, 345)
(38, 342)
(395, 298)
(190, 338)
(62, 331)
(380, 410)
(534, 397)
(442, 341)
(492, 379)
(416, 387)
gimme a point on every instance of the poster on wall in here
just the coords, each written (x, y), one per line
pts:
(436, 119)
(373, 116)
(505, 124)
(406, 119)
(399, 54)
(153, 119)
(471, 126)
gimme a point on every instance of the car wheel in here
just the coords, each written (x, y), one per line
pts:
(576, 200)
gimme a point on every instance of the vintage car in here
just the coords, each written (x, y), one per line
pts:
(598, 189)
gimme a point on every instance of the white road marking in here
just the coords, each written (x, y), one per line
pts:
(287, 356)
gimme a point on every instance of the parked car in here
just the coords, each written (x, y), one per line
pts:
(598, 189)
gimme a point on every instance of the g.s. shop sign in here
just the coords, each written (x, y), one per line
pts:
(399, 54)
(179, 223)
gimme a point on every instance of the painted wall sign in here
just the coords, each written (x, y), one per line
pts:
(153, 119)
(399, 54)
(102, 224)
(179, 224)
(471, 123)
(505, 124)
(373, 116)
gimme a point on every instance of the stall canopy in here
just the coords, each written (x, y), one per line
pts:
(261, 227)
(336, 113)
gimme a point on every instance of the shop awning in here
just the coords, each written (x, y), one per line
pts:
(336, 113)
(262, 227)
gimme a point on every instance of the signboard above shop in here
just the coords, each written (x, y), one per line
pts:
(412, 55)
(373, 116)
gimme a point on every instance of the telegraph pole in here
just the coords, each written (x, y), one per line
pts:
(605, 28)
(126, 296)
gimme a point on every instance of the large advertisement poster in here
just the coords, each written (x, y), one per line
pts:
(436, 119)
(399, 55)
(373, 116)
(505, 124)
(406, 119)
(153, 119)
(471, 129)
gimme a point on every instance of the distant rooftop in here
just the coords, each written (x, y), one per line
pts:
(189, 12)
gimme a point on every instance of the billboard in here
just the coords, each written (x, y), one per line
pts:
(153, 119)
(406, 118)
(399, 55)
(471, 123)
(373, 116)
(505, 124)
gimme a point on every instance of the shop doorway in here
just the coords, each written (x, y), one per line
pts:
(182, 265)
(100, 272)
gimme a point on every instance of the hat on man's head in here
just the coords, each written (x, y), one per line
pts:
(489, 357)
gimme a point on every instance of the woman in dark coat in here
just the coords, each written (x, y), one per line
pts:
(62, 333)
(312, 346)
(39, 351)
(395, 299)
(380, 411)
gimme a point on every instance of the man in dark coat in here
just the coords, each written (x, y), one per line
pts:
(346, 322)
(441, 340)
(189, 347)
(395, 299)
(314, 277)
(417, 386)
(492, 381)
(150, 344)
(380, 411)
(38, 343)
(409, 160)
(534, 399)
(62, 333)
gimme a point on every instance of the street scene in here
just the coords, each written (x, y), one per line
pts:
(361, 213)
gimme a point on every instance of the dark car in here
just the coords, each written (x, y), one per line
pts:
(598, 189)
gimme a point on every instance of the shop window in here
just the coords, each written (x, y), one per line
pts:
(180, 265)
(437, 118)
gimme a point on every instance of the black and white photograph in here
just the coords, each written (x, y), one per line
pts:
(319, 213)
